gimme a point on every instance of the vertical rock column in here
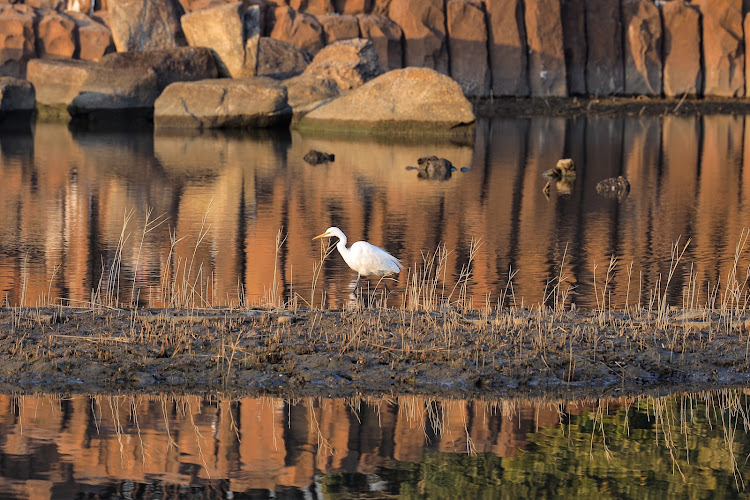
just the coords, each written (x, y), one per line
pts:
(573, 14)
(423, 24)
(604, 65)
(467, 36)
(682, 50)
(723, 47)
(508, 55)
(643, 47)
(546, 54)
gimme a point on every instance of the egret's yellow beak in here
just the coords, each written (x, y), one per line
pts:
(321, 236)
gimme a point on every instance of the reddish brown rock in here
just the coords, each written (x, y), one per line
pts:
(546, 54)
(467, 34)
(280, 59)
(82, 6)
(423, 24)
(55, 35)
(723, 47)
(313, 7)
(386, 38)
(682, 72)
(349, 63)
(643, 47)
(16, 39)
(574, 42)
(46, 4)
(139, 25)
(353, 7)
(94, 38)
(508, 50)
(298, 28)
(339, 27)
(604, 66)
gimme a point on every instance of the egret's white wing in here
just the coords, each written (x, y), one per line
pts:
(369, 260)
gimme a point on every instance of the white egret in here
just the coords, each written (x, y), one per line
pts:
(366, 259)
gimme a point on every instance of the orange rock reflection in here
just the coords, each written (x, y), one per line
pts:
(252, 443)
(70, 200)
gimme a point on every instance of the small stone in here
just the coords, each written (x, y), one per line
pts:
(314, 157)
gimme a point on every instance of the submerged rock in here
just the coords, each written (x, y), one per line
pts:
(314, 157)
(614, 187)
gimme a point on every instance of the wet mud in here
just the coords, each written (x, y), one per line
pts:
(370, 352)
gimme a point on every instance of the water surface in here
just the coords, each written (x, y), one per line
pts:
(161, 446)
(145, 216)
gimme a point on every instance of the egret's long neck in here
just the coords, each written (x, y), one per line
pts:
(341, 245)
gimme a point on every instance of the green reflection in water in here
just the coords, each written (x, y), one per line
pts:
(685, 446)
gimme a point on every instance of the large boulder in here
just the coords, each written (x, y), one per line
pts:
(405, 101)
(56, 35)
(508, 51)
(385, 36)
(298, 28)
(279, 59)
(137, 25)
(604, 66)
(17, 39)
(723, 47)
(573, 15)
(58, 81)
(467, 33)
(682, 74)
(226, 29)
(423, 24)
(223, 103)
(546, 53)
(643, 47)
(94, 37)
(133, 80)
(338, 68)
(338, 27)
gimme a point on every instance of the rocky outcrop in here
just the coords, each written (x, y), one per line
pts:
(133, 80)
(385, 36)
(354, 7)
(223, 103)
(604, 66)
(467, 30)
(508, 51)
(55, 35)
(226, 30)
(139, 25)
(643, 47)
(405, 101)
(423, 24)
(56, 81)
(682, 74)
(546, 54)
(17, 39)
(723, 49)
(314, 7)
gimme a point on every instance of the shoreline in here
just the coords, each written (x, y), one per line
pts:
(327, 353)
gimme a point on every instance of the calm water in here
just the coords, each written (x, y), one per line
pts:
(74, 203)
(682, 445)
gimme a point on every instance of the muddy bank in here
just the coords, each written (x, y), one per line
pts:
(571, 107)
(347, 353)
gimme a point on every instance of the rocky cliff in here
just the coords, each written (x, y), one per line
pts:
(493, 48)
